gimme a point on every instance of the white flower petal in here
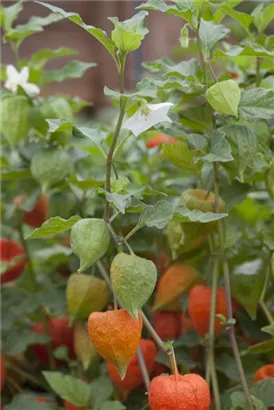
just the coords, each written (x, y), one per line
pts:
(24, 75)
(141, 121)
(12, 74)
(9, 85)
(31, 89)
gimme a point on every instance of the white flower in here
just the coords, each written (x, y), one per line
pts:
(16, 78)
(146, 117)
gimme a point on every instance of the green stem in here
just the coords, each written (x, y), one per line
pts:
(230, 326)
(28, 257)
(115, 138)
(266, 311)
(201, 54)
(143, 368)
(16, 54)
(26, 375)
(211, 368)
(258, 74)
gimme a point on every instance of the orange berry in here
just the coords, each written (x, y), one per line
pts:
(133, 377)
(186, 323)
(61, 335)
(158, 139)
(9, 250)
(42, 399)
(69, 406)
(199, 305)
(39, 212)
(116, 336)
(167, 325)
(176, 392)
(264, 372)
(2, 372)
(175, 281)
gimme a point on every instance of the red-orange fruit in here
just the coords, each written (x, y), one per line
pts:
(9, 250)
(133, 377)
(2, 372)
(176, 281)
(264, 372)
(167, 324)
(42, 399)
(158, 139)
(39, 212)
(69, 406)
(189, 392)
(61, 335)
(116, 336)
(186, 323)
(199, 306)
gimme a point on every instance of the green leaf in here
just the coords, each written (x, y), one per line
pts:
(269, 329)
(69, 388)
(245, 20)
(249, 50)
(247, 290)
(182, 214)
(210, 34)
(14, 121)
(224, 97)
(59, 125)
(243, 143)
(41, 57)
(183, 69)
(101, 389)
(14, 345)
(263, 16)
(9, 14)
(128, 35)
(262, 347)
(99, 34)
(118, 200)
(34, 25)
(16, 175)
(263, 390)
(219, 148)
(53, 226)
(112, 405)
(143, 92)
(179, 154)
(157, 5)
(197, 118)
(28, 401)
(157, 215)
(133, 281)
(239, 402)
(257, 103)
(251, 212)
(74, 69)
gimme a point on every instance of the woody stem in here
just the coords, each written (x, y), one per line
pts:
(115, 138)
(143, 368)
(211, 368)
(230, 325)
